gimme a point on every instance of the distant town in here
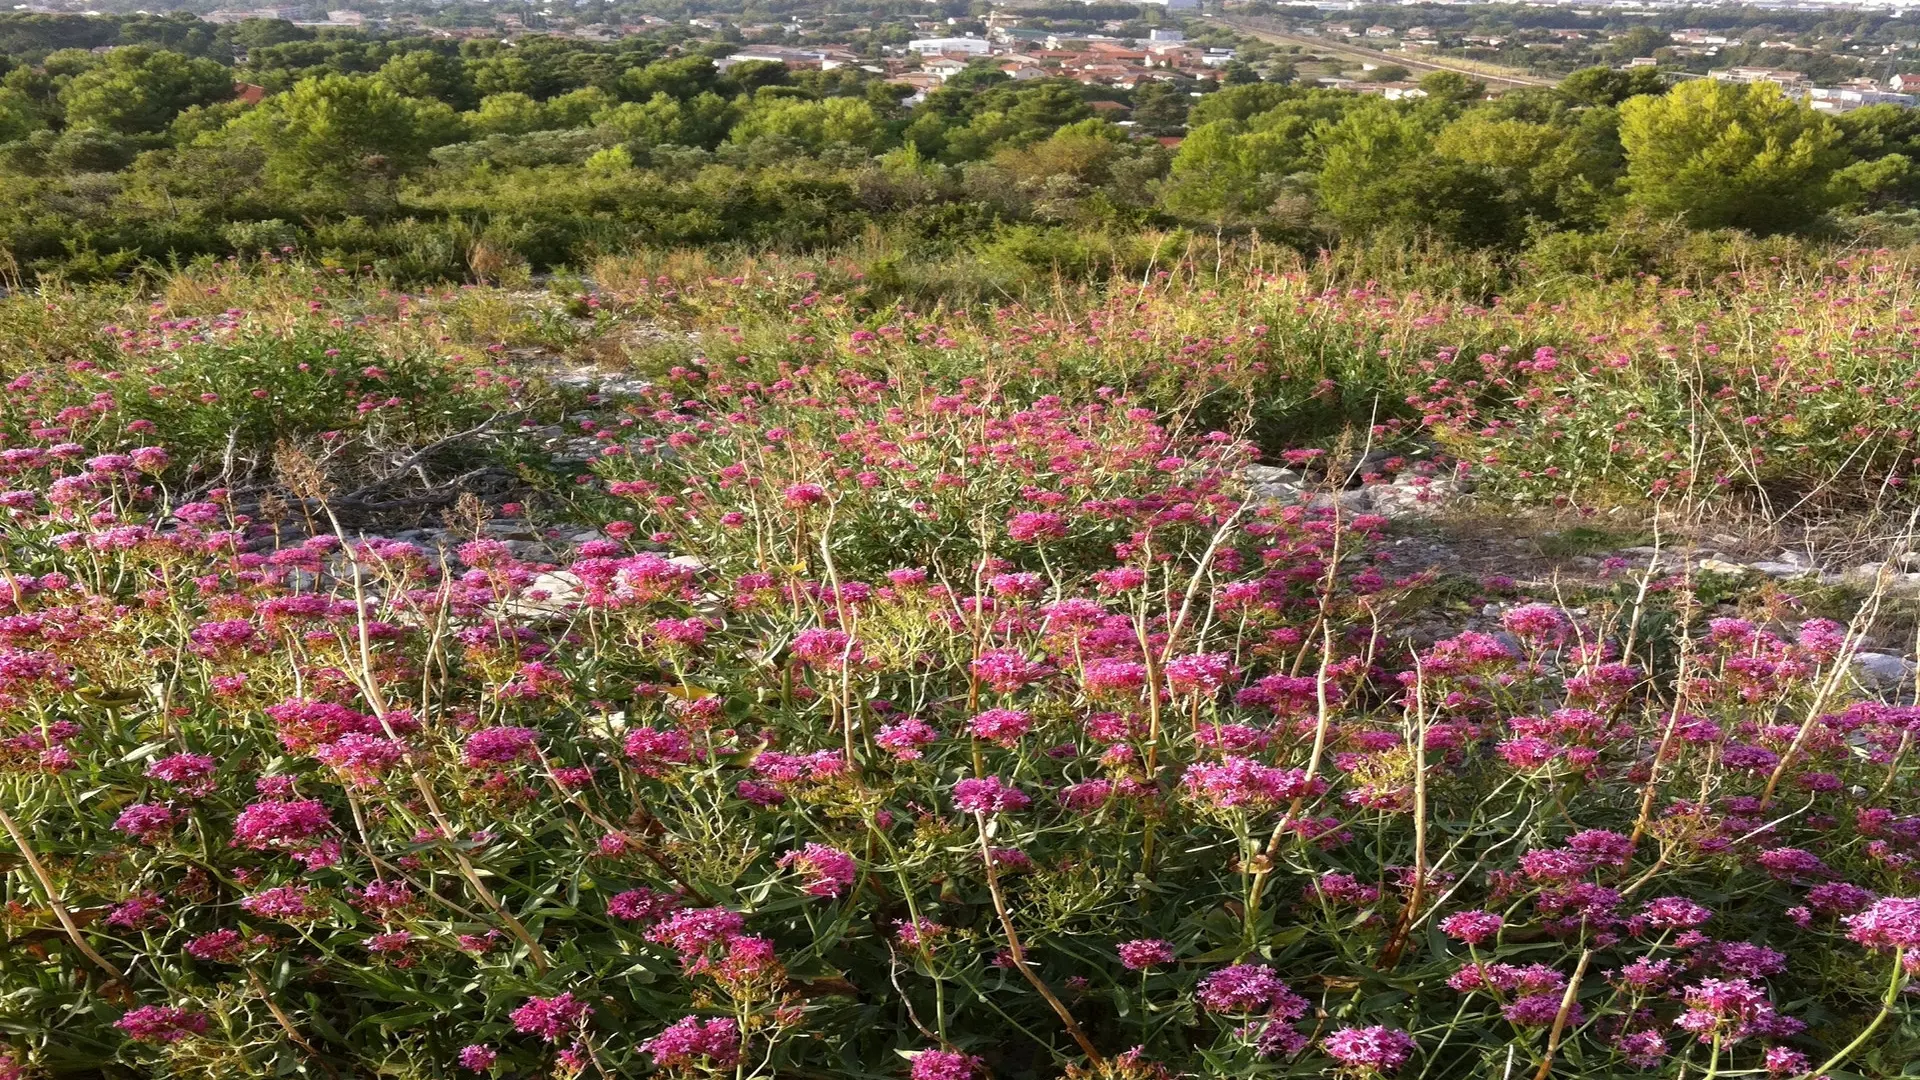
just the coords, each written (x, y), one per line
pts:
(1835, 56)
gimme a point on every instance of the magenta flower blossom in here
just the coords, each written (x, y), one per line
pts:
(783, 768)
(551, 1018)
(1144, 953)
(824, 648)
(803, 495)
(1033, 526)
(1676, 913)
(1250, 988)
(182, 768)
(385, 898)
(988, 795)
(1789, 864)
(1237, 782)
(1824, 638)
(1746, 958)
(286, 902)
(1730, 1009)
(1109, 675)
(219, 946)
(1086, 795)
(273, 823)
(651, 750)
(1201, 673)
(1472, 927)
(1338, 889)
(1890, 923)
(642, 905)
(1839, 897)
(478, 1057)
(944, 1065)
(142, 912)
(148, 823)
(689, 1042)
(1003, 726)
(189, 771)
(497, 746)
(919, 934)
(1120, 579)
(1785, 1061)
(361, 757)
(904, 738)
(828, 869)
(1541, 625)
(1538, 1010)
(689, 931)
(1007, 670)
(1644, 1050)
(161, 1024)
(1376, 1049)
(223, 637)
(1022, 586)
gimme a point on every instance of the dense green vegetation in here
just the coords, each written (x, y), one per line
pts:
(124, 143)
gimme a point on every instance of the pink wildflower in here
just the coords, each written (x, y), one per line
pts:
(829, 869)
(1145, 953)
(1375, 1050)
(690, 1042)
(550, 1018)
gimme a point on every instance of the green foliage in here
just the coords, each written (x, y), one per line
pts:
(510, 113)
(1721, 155)
(430, 75)
(1377, 174)
(1608, 86)
(138, 89)
(1221, 175)
(321, 135)
(1240, 103)
(141, 153)
(812, 124)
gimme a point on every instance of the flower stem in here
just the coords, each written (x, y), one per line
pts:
(1019, 953)
(1886, 1009)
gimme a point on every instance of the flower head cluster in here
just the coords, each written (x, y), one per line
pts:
(1242, 783)
(944, 1065)
(1370, 1051)
(551, 1018)
(988, 795)
(1472, 927)
(161, 1024)
(1003, 726)
(497, 746)
(1731, 1010)
(906, 738)
(1889, 923)
(1145, 953)
(690, 1042)
(828, 870)
(276, 823)
(1250, 988)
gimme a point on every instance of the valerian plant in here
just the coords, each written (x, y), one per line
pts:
(894, 724)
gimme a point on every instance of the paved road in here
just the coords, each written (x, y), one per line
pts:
(1410, 61)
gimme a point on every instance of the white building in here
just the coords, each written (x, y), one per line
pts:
(972, 46)
(943, 67)
(1840, 99)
